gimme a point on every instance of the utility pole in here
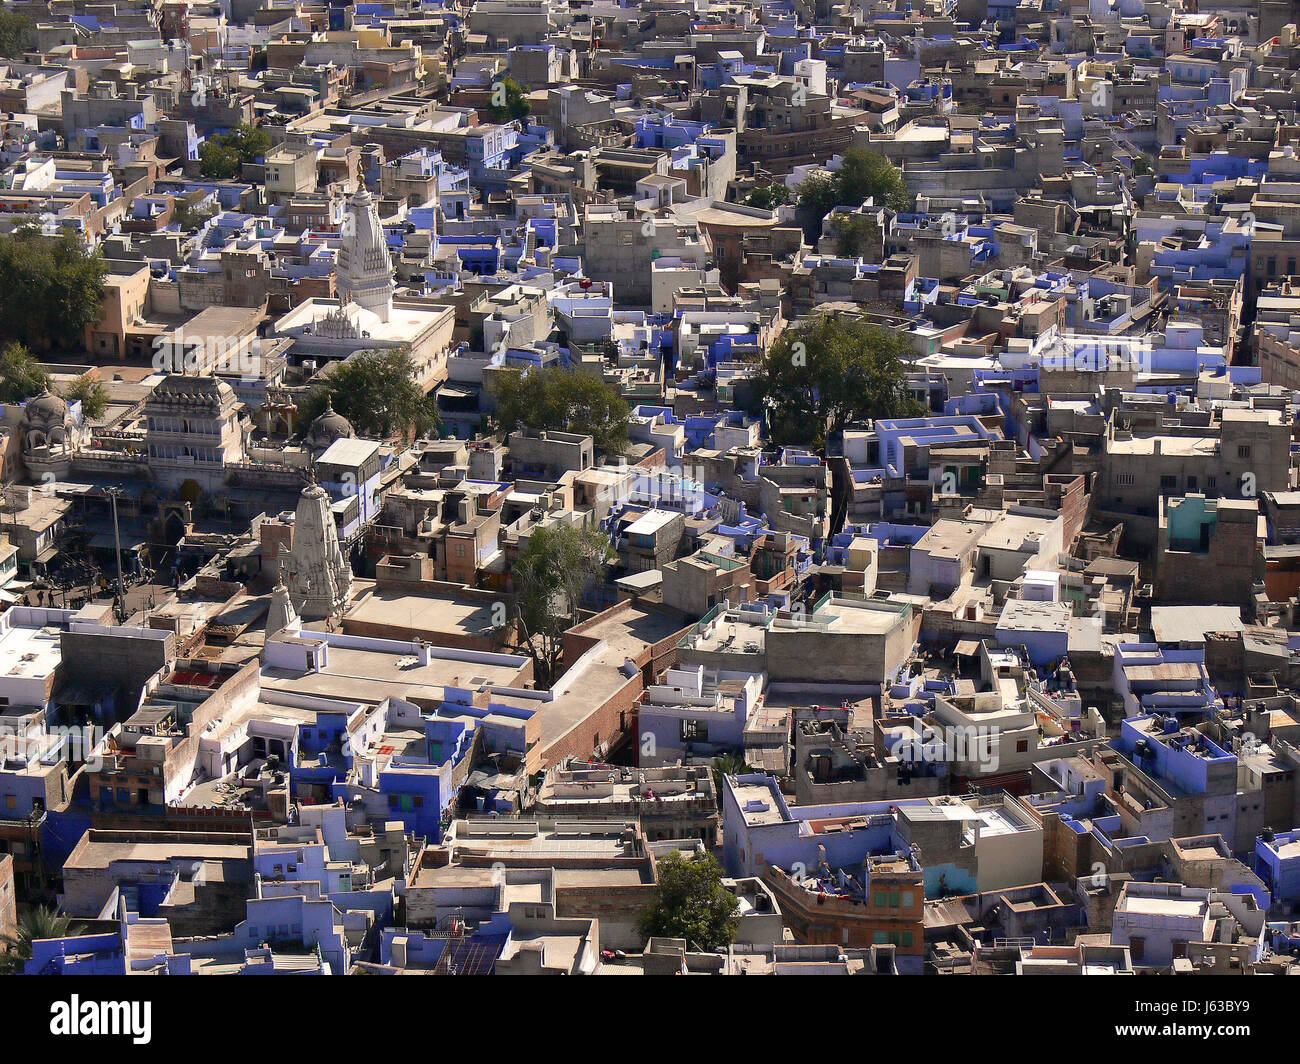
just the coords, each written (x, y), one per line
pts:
(113, 493)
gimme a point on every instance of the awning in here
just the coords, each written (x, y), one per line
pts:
(105, 541)
(968, 647)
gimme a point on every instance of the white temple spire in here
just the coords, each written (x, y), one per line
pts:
(365, 271)
(320, 579)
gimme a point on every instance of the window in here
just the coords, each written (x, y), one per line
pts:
(909, 898)
(907, 938)
(1243, 450)
(1125, 480)
(1022, 746)
(1168, 482)
(694, 731)
(879, 938)
(881, 899)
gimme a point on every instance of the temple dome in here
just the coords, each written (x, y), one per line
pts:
(329, 426)
(46, 408)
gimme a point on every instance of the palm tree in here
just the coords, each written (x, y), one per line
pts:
(727, 765)
(34, 924)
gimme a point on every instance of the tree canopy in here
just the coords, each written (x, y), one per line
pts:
(562, 400)
(766, 197)
(728, 765)
(190, 216)
(52, 289)
(854, 234)
(377, 392)
(21, 375)
(33, 925)
(17, 34)
(691, 903)
(223, 155)
(549, 576)
(509, 101)
(863, 173)
(831, 371)
(92, 394)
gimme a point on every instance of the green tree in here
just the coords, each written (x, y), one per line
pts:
(868, 173)
(17, 34)
(217, 160)
(377, 392)
(562, 400)
(34, 925)
(52, 289)
(818, 196)
(21, 375)
(728, 765)
(830, 371)
(691, 903)
(93, 396)
(223, 155)
(863, 173)
(190, 216)
(509, 101)
(548, 578)
(765, 197)
(854, 234)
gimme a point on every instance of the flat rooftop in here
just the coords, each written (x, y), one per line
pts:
(1186, 446)
(1190, 624)
(370, 676)
(30, 653)
(757, 804)
(1024, 615)
(100, 853)
(848, 616)
(731, 632)
(422, 613)
(950, 539)
(1163, 906)
(631, 628)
